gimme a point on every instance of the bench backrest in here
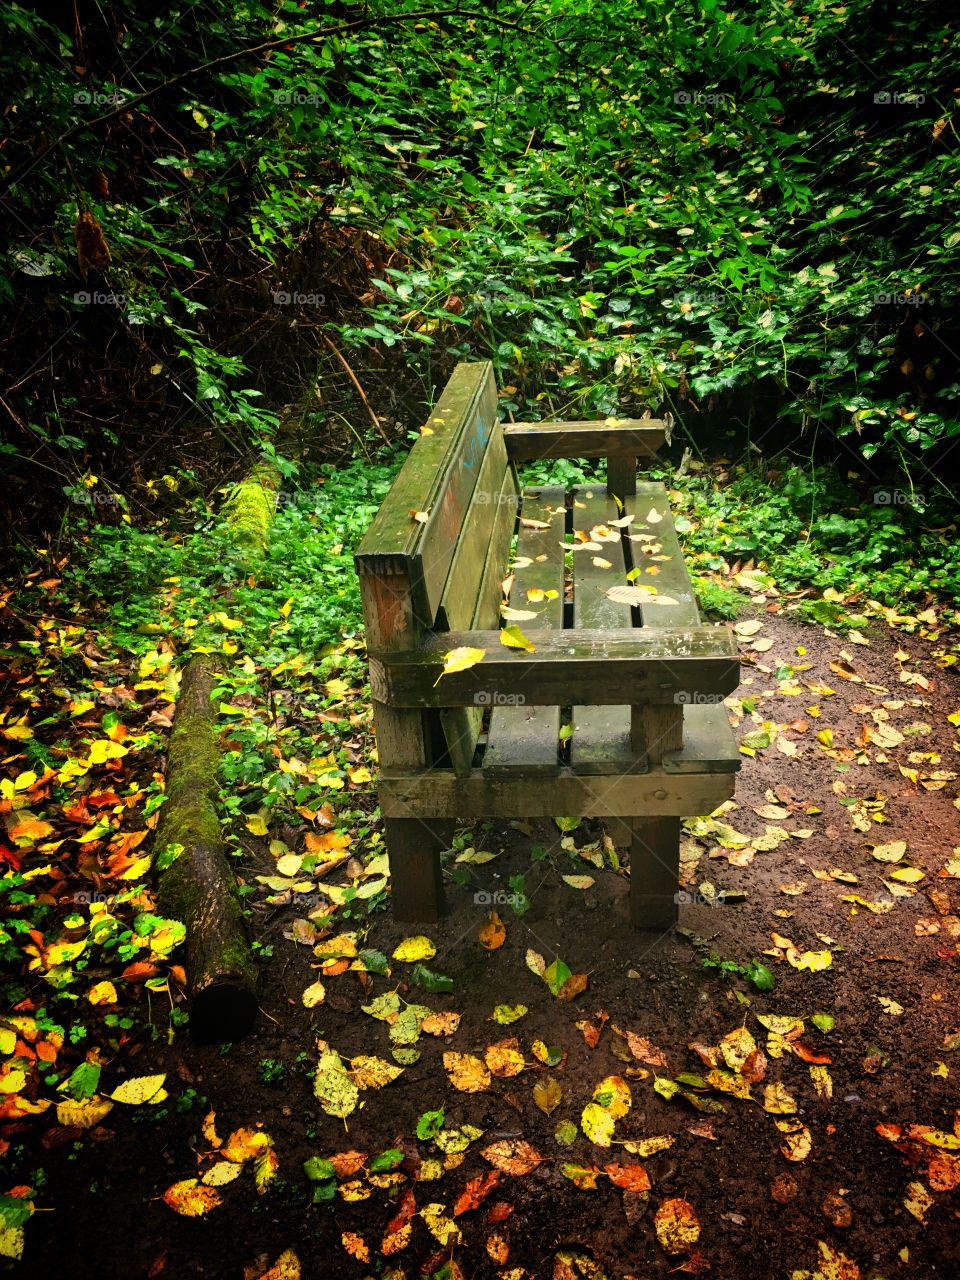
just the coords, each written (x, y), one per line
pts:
(435, 524)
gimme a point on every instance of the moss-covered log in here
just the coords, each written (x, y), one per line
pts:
(199, 886)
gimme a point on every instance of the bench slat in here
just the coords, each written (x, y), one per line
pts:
(637, 437)
(599, 733)
(673, 578)
(438, 477)
(485, 795)
(528, 737)
(462, 725)
(651, 664)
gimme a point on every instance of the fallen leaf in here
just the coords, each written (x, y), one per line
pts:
(191, 1198)
(677, 1226)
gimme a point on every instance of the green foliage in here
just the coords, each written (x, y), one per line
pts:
(733, 211)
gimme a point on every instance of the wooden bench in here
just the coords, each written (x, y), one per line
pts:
(642, 684)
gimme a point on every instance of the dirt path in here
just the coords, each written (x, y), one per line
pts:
(889, 1059)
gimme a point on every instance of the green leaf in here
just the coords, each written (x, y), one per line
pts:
(319, 1170)
(430, 1124)
(430, 981)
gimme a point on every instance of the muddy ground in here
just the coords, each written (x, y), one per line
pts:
(761, 1214)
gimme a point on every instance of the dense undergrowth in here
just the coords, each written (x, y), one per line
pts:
(746, 215)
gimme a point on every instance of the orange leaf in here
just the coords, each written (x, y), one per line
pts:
(631, 1177)
(476, 1191)
(493, 932)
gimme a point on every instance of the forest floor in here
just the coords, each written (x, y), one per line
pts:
(808, 1129)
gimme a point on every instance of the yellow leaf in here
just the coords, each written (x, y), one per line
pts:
(257, 825)
(414, 949)
(597, 1123)
(812, 960)
(444, 1229)
(245, 1144)
(286, 1267)
(504, 1059)
(513, 638)
(102, 993)
(315, 994)
(891, 852)
(265, 1170)
(777, 1100)
(103, 750)
(138, 1090)
(372, 1073)
(83, 1114)
(191, 1198)
(459, 660)
(466, 1072)
(797, 1141)
(221, 1173)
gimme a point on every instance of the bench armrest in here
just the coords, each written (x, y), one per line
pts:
(611, 437)
(593, 667)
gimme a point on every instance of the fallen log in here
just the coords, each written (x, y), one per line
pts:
(198, 887)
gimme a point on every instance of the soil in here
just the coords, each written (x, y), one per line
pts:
(109, 1220)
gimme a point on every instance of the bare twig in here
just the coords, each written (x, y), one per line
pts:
(360, 391)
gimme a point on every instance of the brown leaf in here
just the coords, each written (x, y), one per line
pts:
(93, 253)
(512, 1156)
(784, 1188)
(836, 1209)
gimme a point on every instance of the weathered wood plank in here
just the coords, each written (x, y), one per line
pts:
(640, 437)
(622, 475)
(474, 584)
(404, 742)
(601, 666)
(459, 599)
(600, 734)
(655, 730)
(528, 737)
(660, 539)
(441, 794)
(438, 478)
(654, 872)
(709, 743)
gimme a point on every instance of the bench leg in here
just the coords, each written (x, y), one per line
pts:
(414, 849)
(654, 872)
